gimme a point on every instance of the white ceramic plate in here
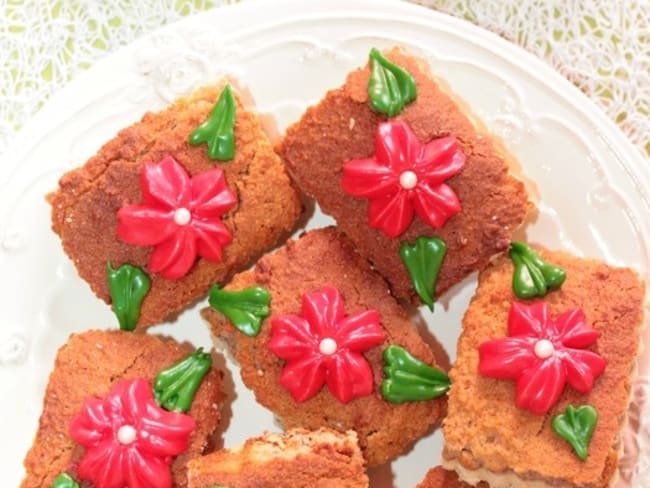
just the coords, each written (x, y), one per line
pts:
(592, 185)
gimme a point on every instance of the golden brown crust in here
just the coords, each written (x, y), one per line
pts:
(84, 208)
(342, 127)
(324, 257)
(441, 478)
(297, 459)
(504, 439)
(88, 365)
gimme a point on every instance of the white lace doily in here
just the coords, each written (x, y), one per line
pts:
(600, 45)
(603, 46)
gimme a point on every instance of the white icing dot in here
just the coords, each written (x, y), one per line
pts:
(182, 216)
(544, 349)
(126, 434)
(408, 180)
(328, 346)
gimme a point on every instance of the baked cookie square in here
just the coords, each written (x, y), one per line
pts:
(395, 158)
(174, 203)
(322, 343)
(124, 409)
(541, 384)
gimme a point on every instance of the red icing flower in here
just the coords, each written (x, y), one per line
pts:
(180, 216)
(542, 354)
(129, 440)
(404, 176)
(324, 346)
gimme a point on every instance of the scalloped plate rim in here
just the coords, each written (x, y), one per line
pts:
(59, 109)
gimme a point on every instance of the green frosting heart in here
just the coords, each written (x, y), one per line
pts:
(408, 379)
(127, 285)
(64, 480)
(423, 261)
(218, 131)
(576, 426)
(174, 388)
(533, 277)
(246, 309)
(390, 88)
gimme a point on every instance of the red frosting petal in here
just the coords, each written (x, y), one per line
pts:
(528, 319)
(583, 367)
(103, 466)
(540, 386)
(572, 326)
(146, 471)
(145, 226)
(94, 424)
(506, 358)
(396, 146)
(165, 184)
(441, 159)
(436, 204)
(304, 377)
(360, 332)
(322, 309)
(167, 433)
(393, 200)
(180, 216)
(211, 238)
(323, 345)
(211, 197)
(173, 258)
(367, 178)
(290, 337)
(349, 376)
(391, 214)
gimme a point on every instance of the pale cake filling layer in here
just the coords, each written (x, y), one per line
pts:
(274, 446)
(495, 480)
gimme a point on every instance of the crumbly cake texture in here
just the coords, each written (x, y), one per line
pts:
(88, 366)
(342, 127)
(85, 206)
(325, 257)
(299, 458)
(441, 478)
(487, 437)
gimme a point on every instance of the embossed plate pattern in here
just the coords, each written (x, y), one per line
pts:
(591, 185)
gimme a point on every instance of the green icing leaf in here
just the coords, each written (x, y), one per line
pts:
(128, 285)
(576, 426)
(408, 379)
(245, 309)
(218, 131)
(64, 480)
(423, 261)
(533, 277)
(390, 88)
(175, 387)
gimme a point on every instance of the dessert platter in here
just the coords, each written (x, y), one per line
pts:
(360, 244)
